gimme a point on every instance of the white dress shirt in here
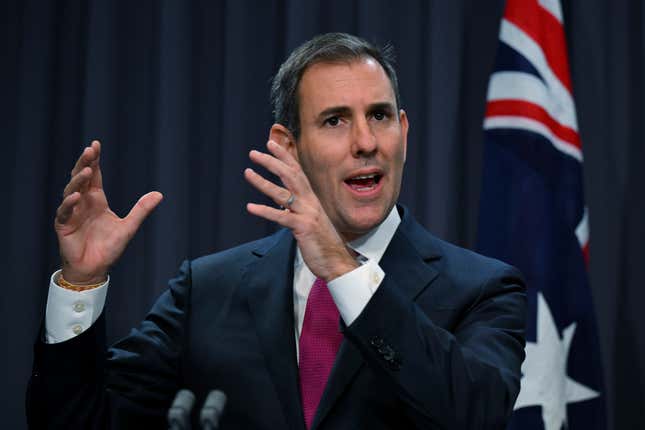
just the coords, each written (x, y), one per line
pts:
(69, 313)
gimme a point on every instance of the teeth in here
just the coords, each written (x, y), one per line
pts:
(373, 175)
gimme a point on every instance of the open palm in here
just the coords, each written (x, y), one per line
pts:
(91, 237)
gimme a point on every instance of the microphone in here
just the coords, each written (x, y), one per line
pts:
(179, 412)
(212, 410)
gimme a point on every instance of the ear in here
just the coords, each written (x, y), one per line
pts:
(403, 120)
(282, 136)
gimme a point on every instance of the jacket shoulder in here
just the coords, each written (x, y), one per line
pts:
(233, 261)
(460, 267)
(466, 261)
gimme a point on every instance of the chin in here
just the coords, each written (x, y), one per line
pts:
(362, 220)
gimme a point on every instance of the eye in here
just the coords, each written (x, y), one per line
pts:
(332, 121)
(380, 115)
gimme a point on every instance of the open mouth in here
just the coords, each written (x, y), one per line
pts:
(363, 183)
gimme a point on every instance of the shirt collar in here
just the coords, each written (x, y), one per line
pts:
(373, 244)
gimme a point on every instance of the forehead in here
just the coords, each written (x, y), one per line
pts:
(352, 84)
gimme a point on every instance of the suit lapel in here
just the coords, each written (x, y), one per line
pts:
(407, 263)
(270, 284)
(409, 258)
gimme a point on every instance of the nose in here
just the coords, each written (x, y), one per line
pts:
(363, 139)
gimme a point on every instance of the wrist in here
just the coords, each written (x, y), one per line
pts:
(81, 280)
(341, 268)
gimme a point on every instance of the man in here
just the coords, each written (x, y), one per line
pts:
(353, 316)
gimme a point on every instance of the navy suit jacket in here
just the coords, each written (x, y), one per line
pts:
(438, 346)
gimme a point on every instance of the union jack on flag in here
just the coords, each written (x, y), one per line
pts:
(533, 215)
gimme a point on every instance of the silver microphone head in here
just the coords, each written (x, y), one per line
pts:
(212, 409)
(179, 412)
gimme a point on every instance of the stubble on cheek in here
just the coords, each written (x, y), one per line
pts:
(317, 174)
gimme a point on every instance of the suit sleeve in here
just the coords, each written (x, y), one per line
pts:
(80, 384)
(462, 377)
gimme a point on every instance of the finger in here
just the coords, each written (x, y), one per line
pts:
(283, 217)
(142, 209)
(78, 182)
(297, 174)
(97, 177)
(288, 175)
(281, 153)
(66, 208)
(268, 161)
(278, 194)
(88, 155)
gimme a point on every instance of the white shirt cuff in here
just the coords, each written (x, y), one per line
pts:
(69, 313)
(352, 291)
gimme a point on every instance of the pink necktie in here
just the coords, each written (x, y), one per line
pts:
(318, 345)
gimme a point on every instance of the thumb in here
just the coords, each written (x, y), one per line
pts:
(142, 208)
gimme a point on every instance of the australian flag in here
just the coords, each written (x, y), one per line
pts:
(533, 215)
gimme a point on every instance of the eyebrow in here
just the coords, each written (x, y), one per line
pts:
(332, 111)
(345, 110)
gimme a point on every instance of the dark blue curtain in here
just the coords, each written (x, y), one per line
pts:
(177, 92)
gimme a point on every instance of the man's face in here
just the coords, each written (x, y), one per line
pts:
(352, 143)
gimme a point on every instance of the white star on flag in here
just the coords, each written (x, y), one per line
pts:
(544, 372)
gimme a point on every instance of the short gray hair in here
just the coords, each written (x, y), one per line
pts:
(325, 48)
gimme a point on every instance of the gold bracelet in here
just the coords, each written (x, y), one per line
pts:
(69, 286)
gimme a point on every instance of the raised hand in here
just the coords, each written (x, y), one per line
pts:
(90, 236)
(323, 250)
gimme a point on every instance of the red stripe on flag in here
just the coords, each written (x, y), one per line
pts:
(585, 253)
(533, 111)
(546, 31)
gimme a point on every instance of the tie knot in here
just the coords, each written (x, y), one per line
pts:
(319, 283)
